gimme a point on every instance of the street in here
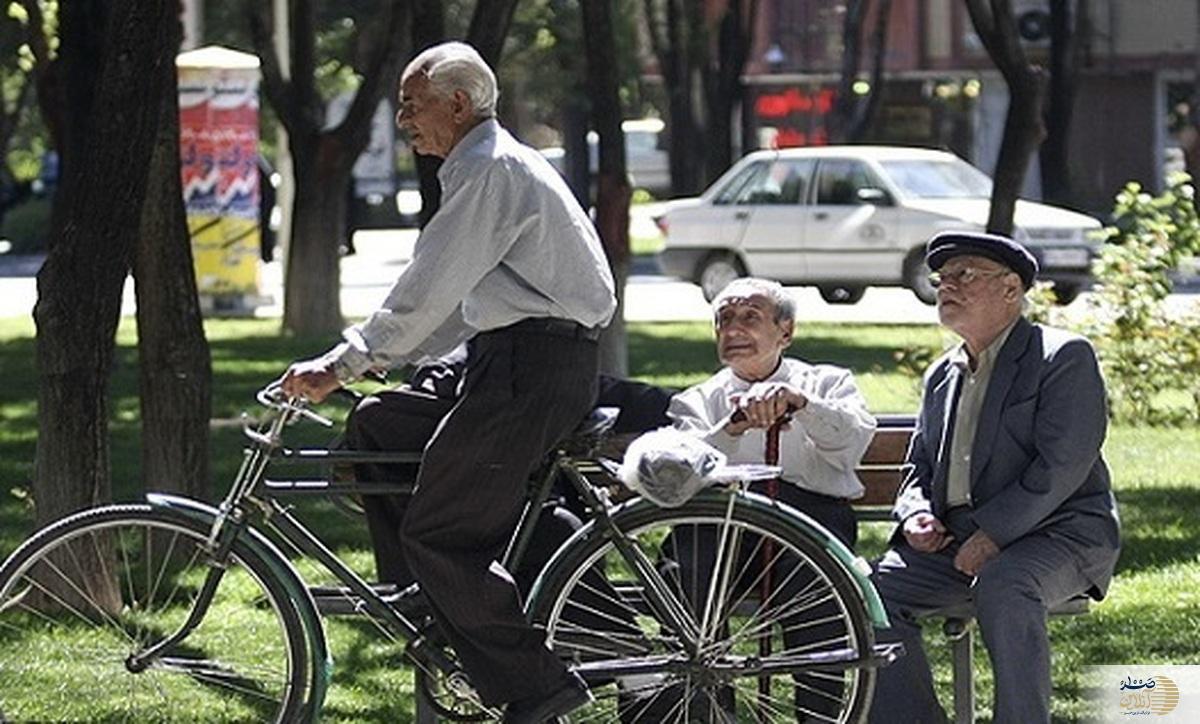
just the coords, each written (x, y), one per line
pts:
(650, 297)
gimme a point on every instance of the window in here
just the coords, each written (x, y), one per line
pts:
(734, 192)
(778, 182)
(840, 180)
(938, 179)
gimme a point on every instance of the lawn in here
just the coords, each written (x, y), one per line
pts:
(1150, 615)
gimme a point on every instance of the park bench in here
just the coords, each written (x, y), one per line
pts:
(881, 472)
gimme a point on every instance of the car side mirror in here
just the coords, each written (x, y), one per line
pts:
(875, 196)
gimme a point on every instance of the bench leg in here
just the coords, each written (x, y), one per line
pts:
(962, 650)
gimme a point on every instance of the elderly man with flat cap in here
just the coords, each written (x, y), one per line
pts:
(1006, 503)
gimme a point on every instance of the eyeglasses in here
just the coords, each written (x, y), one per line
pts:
(965, 276)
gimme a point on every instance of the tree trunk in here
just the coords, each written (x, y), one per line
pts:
(311, 300)
(613, 190)
(723, 84)
(665, 26)
(1023, 129)
(113, 54)
(1023, 133)
(428, 28)
(489, 28)
(866, 114)
(847, 102)
(174, 370)
(577, 165)
(323, 157)
(1060, 103)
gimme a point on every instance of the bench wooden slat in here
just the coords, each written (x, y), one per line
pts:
(881, 487)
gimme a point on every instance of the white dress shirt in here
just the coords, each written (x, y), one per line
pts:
(509, 242)
(828, 436)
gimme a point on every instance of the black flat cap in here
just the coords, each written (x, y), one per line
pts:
(949, 244)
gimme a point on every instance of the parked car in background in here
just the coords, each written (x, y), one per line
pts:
(645, 155)
(843, 218)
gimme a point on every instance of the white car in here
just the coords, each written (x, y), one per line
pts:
(847, 217)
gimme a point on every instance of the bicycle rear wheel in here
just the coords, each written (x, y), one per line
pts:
(782, 631)
(82, 595)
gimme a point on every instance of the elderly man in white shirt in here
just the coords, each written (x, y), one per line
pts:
(511, 264)
(818, 448)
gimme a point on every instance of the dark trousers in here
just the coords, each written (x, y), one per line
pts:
(392, 421)
(1011, 595)
(523, 391)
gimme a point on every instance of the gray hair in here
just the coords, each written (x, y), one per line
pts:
(457, 66)
(785, 306)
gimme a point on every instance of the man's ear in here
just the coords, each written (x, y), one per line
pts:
(788, 327)
(462, 105)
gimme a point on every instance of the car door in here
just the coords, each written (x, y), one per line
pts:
(850, 226)
(716, 224)
(774, 221)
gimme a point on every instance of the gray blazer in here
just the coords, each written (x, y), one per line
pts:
(1036, 463)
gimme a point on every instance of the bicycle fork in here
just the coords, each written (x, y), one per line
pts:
(220, 546)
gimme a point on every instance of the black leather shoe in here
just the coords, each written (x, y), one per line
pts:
(562, 701)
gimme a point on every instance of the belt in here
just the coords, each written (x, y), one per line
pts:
(556, 327)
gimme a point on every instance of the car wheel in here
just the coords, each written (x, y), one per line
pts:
(1064, 294)
(716, 271)
(841, 294)
(916, 276)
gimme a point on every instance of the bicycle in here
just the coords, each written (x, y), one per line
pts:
(175, 608)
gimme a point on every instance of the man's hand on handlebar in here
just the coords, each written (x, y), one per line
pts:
(762, 405)
(311, 379)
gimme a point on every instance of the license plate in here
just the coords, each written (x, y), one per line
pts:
(1065, 257)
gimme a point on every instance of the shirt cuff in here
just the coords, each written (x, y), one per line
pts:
(347, 363)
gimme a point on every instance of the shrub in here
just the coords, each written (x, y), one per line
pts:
(1151, 360)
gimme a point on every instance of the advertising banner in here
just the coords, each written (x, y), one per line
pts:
(218, 146)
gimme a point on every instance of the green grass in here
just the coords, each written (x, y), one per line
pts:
(1149, 617)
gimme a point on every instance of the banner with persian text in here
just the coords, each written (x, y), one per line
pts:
(218, 146)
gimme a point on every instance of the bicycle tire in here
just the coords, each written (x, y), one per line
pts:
(65, 640)
(593, 611)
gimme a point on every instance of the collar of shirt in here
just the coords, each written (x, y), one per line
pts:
(962, 360)
(484, 130)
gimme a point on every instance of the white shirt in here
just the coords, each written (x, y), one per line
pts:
(509, 242)
(827, 437)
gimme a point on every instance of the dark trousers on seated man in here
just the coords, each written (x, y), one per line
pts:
(1010, 597)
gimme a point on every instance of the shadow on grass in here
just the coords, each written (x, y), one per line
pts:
(1158, 527)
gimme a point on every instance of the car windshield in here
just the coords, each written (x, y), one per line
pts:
(954, 179)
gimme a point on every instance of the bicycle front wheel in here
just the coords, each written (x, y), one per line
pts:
(85, 594)
(767, 627)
